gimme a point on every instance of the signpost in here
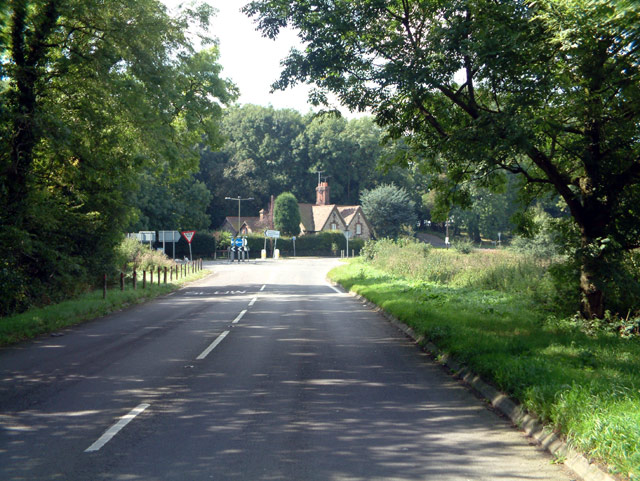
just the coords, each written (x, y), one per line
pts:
(172, 236)
(347, 234)
(147, 236)
(188, 235)
(275, 234)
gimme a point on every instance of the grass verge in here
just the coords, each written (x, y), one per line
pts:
(586, 386)
(91, 305)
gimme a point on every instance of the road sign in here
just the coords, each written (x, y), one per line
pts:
(146, 236)
(168, 236)
(347, 234)
(272, 233)
(188, 235)
(237, 242)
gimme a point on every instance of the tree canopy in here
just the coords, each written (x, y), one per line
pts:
(286, 214)
(548, 90)
(390, 210)
(92, 95)
(270, 151)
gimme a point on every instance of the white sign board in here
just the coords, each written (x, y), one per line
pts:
(347, 234)
(272, 233)
(146, 236)
(168, 236)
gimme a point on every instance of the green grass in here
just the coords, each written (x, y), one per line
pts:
(38, 321)
(586, 387)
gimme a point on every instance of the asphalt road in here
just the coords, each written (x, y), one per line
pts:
(262, 371)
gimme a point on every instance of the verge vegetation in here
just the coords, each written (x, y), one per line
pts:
(91, 305)
(494, 311)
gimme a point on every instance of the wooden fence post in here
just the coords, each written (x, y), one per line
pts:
(135, 278)
(144, 279)
(165, 274)
(122, 281)
(158, 275)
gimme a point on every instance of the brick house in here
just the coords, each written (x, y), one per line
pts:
(324, 216)
(314, 218)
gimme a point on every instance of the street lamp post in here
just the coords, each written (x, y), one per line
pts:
(239, 199)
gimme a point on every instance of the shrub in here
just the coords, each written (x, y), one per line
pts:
(501, 270)
(286, 214)
(132, 254)
(463, 246)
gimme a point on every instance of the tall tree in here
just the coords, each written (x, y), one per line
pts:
(93, 93)
(548, 90)
(286, 214)
(389, 209)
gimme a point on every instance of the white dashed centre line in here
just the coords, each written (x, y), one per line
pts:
(213, 345)
(253, 301)
(116, 428)
(262, 288)
(235, 321)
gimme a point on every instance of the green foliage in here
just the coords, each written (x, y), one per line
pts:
(489, 269)
(271, 151)
(584, 385)
(320, 244)
(546, 90)
(463, 246)
(389, 209)
(93, 95)
(203, 245)
(286, 214)
(166, 204)
(132, 254)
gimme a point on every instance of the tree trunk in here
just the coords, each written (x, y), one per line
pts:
(593, 267)
(592, 297)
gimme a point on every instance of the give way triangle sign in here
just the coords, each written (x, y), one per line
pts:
(188, 235)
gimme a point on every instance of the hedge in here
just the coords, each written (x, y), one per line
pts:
(321, 244)
(204, 245)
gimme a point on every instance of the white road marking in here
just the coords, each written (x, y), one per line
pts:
(213, 345)
(235, 321)
(253, 301)
(116, 428)
(335, 289)
(262, 288)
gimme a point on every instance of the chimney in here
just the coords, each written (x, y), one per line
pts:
(322, 193)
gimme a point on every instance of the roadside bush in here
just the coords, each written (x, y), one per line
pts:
(463, 246)
(501, 270)
(132, 254)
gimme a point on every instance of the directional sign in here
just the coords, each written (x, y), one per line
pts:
(272, 233)
(188, 235)
(237, 242)
(146, 236)
(168, 236)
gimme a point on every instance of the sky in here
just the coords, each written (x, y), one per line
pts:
(251, 61)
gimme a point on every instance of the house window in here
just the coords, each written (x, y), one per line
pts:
(334, 226)
(358, 229)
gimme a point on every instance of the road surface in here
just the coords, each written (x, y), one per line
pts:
(262, 371)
